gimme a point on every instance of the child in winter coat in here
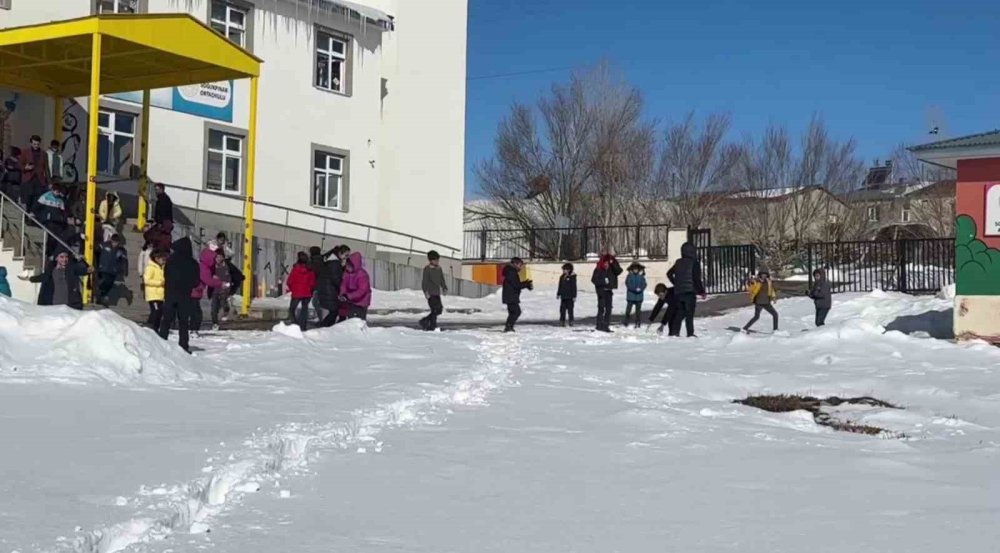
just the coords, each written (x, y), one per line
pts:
(301, 281)
(356, 288)
(434, 286)
(154, 288)
(635, 285)
(762, 295)
(566, 294)
(112, 267)
(666, 297)
(144, 259)
(821, 295)
(605, 280)
(4, 285)
(220, 294)
(511, 291)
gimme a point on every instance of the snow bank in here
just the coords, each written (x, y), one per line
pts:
(59, 343)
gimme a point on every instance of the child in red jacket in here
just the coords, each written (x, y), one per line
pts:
(301, 283)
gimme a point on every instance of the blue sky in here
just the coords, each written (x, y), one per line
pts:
(879, 71)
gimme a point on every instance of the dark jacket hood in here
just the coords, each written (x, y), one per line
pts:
(182, 247)
(3, 272)
(688, 251)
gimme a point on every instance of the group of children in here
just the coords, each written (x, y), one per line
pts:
(335, 283)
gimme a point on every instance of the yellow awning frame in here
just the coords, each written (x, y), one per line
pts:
(108, 54)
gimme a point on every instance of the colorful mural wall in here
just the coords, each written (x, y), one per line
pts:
(977, 228)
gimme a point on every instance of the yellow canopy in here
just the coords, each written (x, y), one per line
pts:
(138, 52)
(107, 54)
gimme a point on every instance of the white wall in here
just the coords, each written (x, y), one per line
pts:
(406, 157)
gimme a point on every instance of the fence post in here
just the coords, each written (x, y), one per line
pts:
(901, 247)
(638, 239)
(482, 245)
(809, 263)
(583, 244)
(531, 243)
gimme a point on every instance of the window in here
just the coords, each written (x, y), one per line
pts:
(873, 214)
(905, 216)
(4, 4)
(331, 62)
(118, 6)
(230, 21)
(225, 162)
(328, 180)
(115, 142)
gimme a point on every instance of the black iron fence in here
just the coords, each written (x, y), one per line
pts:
(725, 269)
(911, 266)
(566, 244)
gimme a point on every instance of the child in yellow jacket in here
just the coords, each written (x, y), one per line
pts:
(154, 282)
(762, 296)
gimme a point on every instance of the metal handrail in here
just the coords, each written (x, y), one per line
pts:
(323, 217)
(27, 216)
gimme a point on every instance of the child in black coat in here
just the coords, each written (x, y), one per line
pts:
(566, 294)
(666, 297)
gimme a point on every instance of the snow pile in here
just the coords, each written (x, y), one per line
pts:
(62, 344)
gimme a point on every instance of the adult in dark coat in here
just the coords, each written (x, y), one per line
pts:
(164, 210)
(35, 175)
(821, 295)
(686, 278)
(324, 294)
(60, 283)
(605, 281)
(511, 292)
(181, 275)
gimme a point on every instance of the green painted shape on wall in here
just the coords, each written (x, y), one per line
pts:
(977, 266)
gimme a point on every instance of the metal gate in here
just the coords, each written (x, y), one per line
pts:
(725, 269)
(910, 266)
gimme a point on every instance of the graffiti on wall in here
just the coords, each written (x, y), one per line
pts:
(6, 126)
(72, 143)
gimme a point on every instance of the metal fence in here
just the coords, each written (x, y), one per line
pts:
(566, 244)
(911, 266)
(725, 269)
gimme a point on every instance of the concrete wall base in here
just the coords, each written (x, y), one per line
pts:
(977, 318)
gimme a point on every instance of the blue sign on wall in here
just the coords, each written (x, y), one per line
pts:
(208, 100)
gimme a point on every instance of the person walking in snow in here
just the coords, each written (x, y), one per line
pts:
(220, 294)
(356, 288)
(511, 291)
(635, 285)
(665, 297)
(4, 285)
(181, 276)
(60, 283)
(822, 296)
(762, 296)
(112, 268)
(566, 293)
(605, 281)
(434, 286)
(154, 288)
(685, 275)
(300, 283)
(324, 299)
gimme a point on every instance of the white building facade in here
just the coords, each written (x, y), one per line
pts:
(361, 128)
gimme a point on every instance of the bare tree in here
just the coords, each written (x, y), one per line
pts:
(786, 196)
(695, 164)
(583, 158)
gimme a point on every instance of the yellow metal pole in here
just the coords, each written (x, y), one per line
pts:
(94, 107)
(143, 163)
(248, 209)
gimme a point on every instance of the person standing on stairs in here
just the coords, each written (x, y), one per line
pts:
(181, 278)
(164, 210)
(34, 173)
(112, 268)
(153, 282)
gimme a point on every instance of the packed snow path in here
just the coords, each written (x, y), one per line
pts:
(356, 439)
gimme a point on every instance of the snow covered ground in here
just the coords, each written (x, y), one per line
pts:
(384, 439)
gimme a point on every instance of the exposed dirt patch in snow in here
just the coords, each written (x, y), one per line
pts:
(789, 403)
